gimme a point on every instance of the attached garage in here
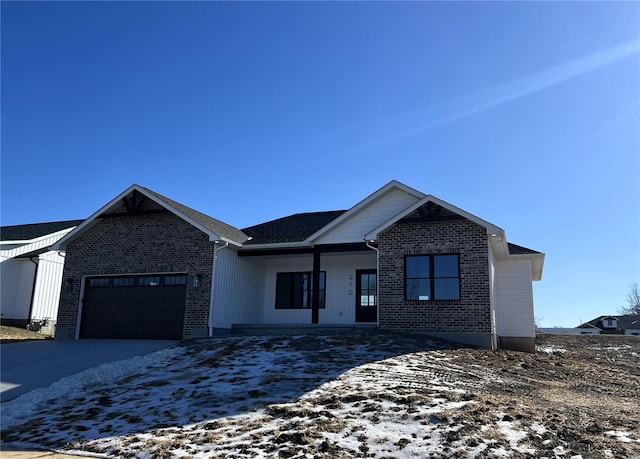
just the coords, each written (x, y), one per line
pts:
(140, 267)
(149, 306)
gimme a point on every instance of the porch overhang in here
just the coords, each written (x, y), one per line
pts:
(319, 248)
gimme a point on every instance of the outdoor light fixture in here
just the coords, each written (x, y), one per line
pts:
(196, 280)
(68, 284)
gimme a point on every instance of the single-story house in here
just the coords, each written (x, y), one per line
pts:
(615, 325)
(145, 266)
(31, 273)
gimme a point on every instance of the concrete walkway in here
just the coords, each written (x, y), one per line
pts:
(29, 365)
(24, 454)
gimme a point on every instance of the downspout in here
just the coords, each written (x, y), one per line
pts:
(33, 288)
(213, 272)
(367, 243)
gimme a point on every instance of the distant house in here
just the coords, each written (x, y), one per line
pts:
(615, 325)
(145, 266)
(31, 273)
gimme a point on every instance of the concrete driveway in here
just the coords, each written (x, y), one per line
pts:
(30, 365)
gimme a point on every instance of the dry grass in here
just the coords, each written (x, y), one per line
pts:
(15, 334)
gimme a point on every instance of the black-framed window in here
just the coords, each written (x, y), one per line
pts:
(124, 281)
(149, 281)
(99, 282)
(175, 280)
(432, 277)
(295, 290)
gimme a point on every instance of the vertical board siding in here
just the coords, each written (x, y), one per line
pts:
(16, 279)
(238, 289)
(340, 287)
(355, 228)
(515, 316)
(48, 284)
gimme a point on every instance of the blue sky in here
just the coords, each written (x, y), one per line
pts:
(523, 113)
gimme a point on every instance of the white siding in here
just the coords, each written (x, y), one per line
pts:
(16, 285)
(238, 289)
(48, 282)
(340, 284)
(378, 212)
(514, 312)
(17, 278)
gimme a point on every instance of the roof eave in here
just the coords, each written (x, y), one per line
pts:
(278, 245)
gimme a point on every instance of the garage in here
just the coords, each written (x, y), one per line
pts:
(149, 306)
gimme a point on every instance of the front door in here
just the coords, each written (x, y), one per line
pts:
(366, 295)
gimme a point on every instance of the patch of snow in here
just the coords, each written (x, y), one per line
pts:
(538, 428)
(550, 349)
(514, 436)
(622, 436)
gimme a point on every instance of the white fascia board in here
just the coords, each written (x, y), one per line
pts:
(89, 222)
(278, 245)
(490, 227)
(214, 238)
(394, 184)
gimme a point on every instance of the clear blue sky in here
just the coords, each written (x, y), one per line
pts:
(523, 113)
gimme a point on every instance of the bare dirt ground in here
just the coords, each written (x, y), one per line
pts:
(357, 395)
(15, 334)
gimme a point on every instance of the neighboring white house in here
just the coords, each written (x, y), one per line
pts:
(31, 273)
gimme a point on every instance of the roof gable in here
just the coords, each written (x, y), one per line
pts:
(130, 201)
(424, 203)
(379, 206)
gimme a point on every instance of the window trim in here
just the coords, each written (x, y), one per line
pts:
(432, 277)
(309, 292)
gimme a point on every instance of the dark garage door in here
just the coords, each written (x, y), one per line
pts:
(134, 307)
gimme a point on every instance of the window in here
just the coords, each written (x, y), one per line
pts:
(432, 277)
(175, 280)
(294, 290)
(100, 282)
(150, 281)
(124, 282)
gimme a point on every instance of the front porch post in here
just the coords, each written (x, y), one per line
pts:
(315, 292)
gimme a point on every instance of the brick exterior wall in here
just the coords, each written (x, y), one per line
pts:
(139, 243)
(470, 314)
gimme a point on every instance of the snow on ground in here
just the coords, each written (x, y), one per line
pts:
(356, 395)
(549, 349)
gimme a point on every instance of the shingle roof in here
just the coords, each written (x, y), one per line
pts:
(34, 230)
(216, 226)
(624, 322)
(294, 228)
(519, 250)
